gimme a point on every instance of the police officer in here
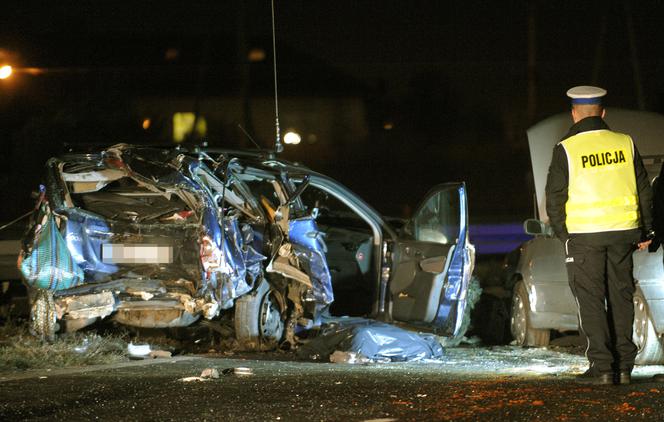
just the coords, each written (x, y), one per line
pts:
(599, 202)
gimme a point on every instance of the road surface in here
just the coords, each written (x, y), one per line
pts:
(470, 383)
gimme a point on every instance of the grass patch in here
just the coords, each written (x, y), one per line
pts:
(20, 350)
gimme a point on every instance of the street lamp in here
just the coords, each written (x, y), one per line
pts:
(5, 71)
(291, 137)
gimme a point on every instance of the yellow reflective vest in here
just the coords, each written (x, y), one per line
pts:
(602, 193)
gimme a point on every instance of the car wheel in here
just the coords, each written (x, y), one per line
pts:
(648, 343)
(42, 315)
(523, 333)
(258, 321)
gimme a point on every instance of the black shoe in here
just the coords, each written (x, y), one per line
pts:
(624, 377)
(595, 378)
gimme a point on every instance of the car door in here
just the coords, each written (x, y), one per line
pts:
(545, 275)
(433, 262)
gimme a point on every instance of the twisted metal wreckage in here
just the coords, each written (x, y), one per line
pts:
(155, 247)
(156, 237)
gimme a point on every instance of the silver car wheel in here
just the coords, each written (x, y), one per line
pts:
(258, 323)
(271, 325)
(524, 334)
(648, 343)
(641, 322)
(518, 322)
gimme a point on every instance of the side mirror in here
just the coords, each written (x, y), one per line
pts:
(535, 227)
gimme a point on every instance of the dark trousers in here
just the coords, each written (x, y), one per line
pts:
(599, 266)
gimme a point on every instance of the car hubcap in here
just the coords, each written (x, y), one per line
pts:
(518, 320)
(640, 323)
(271, 325)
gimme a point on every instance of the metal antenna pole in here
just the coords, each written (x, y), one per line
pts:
(278, 147)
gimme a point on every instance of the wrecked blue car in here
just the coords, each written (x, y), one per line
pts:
(163, 237)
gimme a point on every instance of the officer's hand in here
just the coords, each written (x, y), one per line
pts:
(642, 246)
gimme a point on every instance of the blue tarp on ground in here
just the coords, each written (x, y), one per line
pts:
(374, 340)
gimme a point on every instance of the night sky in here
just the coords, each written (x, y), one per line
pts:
(459, 82)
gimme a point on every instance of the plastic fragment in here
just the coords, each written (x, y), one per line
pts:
(348, 357)
(160, 354)
(210, 373)
(192, 379)
(138, 350)
(242, 371)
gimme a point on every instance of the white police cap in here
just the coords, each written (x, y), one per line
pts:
(586, 94)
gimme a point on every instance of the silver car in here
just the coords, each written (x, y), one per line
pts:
(541, 297)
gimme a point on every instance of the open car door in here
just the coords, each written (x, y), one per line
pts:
(433, 262)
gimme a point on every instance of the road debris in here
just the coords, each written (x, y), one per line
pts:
(243, 371)
(191, 379)
(210, 373)
(206, 375)
(138, 351)
(348, 357)
(83, 347)
(144, 351)
(160, 354)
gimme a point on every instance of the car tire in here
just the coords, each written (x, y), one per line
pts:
(648, 343)
(522, 332)
(258, 319)
(43, 316)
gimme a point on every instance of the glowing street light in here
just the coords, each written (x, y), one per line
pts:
(256, 55)
(5, 71)
(292, 138)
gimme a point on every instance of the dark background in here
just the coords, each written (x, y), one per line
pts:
(448, 88)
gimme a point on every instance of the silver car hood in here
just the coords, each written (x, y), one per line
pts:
(646, 128)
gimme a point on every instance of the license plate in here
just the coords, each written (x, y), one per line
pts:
(116, 253)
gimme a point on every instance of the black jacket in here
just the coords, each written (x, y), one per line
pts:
(558, 180)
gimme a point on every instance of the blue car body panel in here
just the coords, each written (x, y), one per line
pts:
(310, 246)
(454, 300)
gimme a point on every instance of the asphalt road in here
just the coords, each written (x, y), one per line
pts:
(470, 383)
